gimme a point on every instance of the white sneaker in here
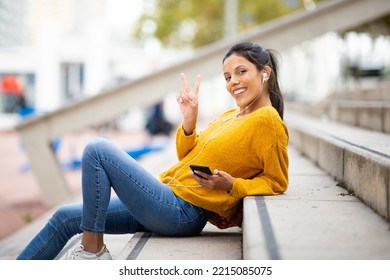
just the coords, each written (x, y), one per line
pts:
(78, 253)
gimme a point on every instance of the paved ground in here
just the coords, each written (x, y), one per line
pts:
(20, 197)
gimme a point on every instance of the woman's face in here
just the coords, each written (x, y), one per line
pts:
(243, 80)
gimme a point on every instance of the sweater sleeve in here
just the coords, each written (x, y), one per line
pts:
(272, 180)
(184, 143)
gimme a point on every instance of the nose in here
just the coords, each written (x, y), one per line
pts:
(236, 80)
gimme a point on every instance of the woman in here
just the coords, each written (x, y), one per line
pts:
(245, 147)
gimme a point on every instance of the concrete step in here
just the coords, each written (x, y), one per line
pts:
(337, 204)
(314, 220)
(367, 114)
(373, 115)
(212, 243)
(357, 158)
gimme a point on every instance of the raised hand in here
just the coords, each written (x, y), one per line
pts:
(188, 102)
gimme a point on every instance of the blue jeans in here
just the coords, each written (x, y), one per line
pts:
(142, 203)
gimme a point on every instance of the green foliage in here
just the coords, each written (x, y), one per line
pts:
(194, 23)
(27, 218)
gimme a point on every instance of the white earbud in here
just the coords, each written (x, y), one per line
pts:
(265, 77)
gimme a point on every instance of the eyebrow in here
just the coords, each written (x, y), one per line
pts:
(241, 65)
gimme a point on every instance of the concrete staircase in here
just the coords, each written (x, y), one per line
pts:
(336, 207)
(365, 107)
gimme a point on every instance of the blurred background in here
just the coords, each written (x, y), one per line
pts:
(54, 53)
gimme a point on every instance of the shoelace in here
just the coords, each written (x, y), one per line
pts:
(76, 252)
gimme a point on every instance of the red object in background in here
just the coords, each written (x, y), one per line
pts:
(11, 85)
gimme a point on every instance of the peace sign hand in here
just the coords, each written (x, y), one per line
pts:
(188, 102)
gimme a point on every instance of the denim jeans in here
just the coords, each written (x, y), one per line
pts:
(140, 203)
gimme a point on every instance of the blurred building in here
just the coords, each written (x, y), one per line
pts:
(66, 50)
(13, 13)
(62, 51)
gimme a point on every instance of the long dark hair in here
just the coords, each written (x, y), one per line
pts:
(262, 57)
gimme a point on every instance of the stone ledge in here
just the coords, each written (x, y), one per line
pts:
(316, 219)
(357, 158)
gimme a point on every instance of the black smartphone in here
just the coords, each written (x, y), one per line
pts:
(202, 168)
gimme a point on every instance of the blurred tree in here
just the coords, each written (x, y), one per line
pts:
(194, 23)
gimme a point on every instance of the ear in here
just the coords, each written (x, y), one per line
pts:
(267, 70)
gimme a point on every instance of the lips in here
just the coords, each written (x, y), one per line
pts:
(238, 91)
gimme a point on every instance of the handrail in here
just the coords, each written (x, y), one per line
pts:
(37, 133)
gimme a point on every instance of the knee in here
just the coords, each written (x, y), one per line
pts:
(95, 146)
(63, 214)
(67, 217)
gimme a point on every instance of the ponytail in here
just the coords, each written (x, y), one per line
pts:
(275, 93)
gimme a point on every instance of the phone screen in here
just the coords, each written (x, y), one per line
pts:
(202, 168)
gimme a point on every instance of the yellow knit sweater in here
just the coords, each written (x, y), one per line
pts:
(252, 149)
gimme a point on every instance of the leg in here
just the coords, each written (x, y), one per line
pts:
(150, 202)
(65, 223)
(145, 204)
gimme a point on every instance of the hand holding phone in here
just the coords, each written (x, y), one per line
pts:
(202, 168)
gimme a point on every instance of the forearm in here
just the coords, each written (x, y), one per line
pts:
(185, 143)
(189, 126)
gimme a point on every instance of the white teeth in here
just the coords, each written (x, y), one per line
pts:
(238, 91)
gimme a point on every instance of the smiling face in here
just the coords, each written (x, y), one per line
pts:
(244, 82)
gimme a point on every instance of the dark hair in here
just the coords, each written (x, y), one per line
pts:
(262, 57)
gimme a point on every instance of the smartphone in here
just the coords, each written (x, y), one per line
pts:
(202, 168)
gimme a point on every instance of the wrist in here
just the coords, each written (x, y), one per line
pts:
(188, 127)
(230, 187)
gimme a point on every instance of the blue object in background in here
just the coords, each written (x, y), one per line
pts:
(137, 153)
(25, 112)
(75, 163)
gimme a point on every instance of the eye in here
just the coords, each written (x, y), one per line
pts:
(227, 78)
(242, 71)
